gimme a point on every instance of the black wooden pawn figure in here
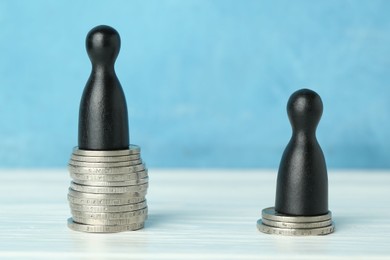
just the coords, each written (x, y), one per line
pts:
(301, 206)
(302, 185)
(103, 121)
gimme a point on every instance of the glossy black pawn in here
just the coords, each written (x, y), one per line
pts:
(103, 121)
(302, 183)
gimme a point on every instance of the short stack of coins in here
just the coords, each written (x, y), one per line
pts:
(107, 192)
(273, 222)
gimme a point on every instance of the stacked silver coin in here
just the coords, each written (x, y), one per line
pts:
(108, 189)
(273, 222)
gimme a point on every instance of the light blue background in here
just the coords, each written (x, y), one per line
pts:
(206, 81)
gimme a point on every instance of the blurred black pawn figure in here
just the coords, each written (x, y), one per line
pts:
(302, 185)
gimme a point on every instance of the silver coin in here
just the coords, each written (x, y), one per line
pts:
(92, 221)
(113, 177)
(111, 215)
(297, 225)
(133, 149)
(78, 194)
(106, 209)
(271, 214)
(103, 229)
(114, 190)
(295, 231)
(104, 201)
(105, 164)
(107, 170)
(112, 183)
(105, 159)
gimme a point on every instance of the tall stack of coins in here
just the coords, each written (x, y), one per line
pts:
(107, 192)
(280, 224)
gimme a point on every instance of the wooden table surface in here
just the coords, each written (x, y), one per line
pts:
(194, 214)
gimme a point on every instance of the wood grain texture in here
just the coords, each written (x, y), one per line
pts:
(194, 214)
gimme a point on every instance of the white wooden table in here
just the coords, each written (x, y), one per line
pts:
(194, 214)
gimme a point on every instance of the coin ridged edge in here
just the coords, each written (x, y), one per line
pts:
(107, 170)
(112, 196)
(109, 177)
(295, 231)
(111, 215)
(103, 228)
(104, 202)
(112, 183)
(105, 164)
(105, 159)
(108, 190)
(109, 222)
(300, 225)
(108, 208)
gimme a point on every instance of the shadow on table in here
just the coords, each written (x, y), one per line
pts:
(156, 220)
(347, 222)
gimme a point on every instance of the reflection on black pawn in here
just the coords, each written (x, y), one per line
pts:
(103, 121)
(302, 184)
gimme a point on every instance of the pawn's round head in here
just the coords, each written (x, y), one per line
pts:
(304, 110)
(103, 43)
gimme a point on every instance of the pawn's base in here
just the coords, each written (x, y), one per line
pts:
(280, 224)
